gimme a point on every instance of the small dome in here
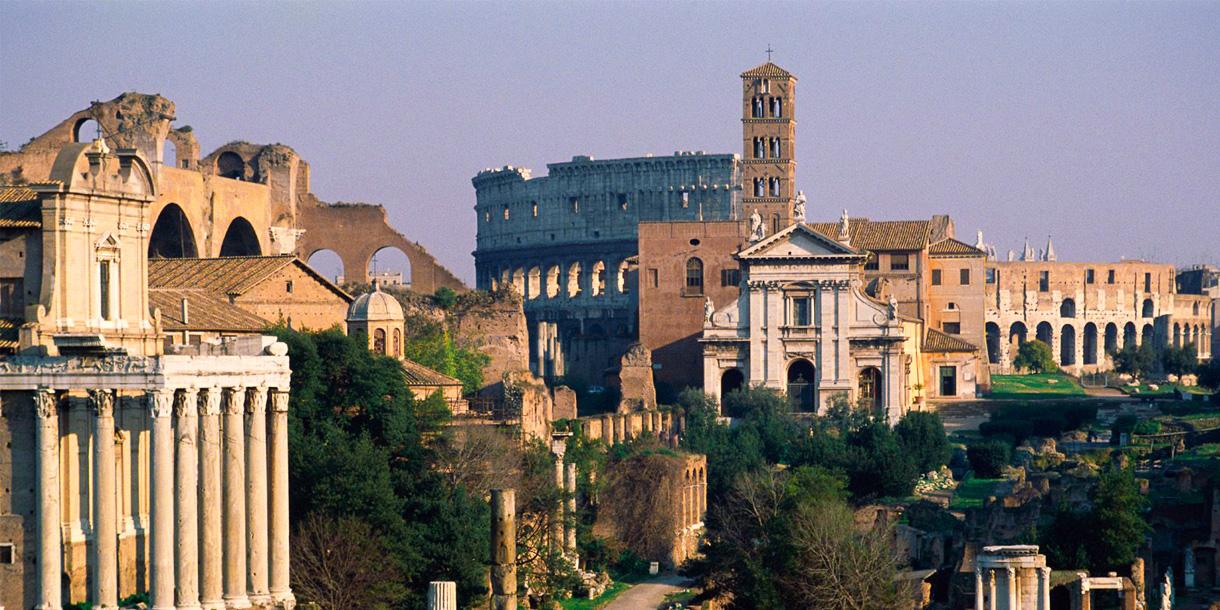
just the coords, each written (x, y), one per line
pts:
(375, 306)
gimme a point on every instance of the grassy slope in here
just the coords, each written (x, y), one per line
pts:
(1038, 385)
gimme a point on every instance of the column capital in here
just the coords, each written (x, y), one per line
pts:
(256, 400)
(234, 400)
(279, 400)
(101, 402)
(186, 402)
(991, 576)
(46, 403)
(209, 403)
(161, 402)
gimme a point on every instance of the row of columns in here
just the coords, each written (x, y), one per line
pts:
(219, 504)
(985, 589)
(548, 350)
(621, 427)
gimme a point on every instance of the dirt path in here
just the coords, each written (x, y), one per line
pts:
(649, 594)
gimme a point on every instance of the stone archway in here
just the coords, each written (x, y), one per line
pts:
(1067, 345)
(240, 239)
(172, 236)
(802, 385)
(1090, 344)
(993, 342)
(730, 381)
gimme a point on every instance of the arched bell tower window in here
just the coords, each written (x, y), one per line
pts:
(773, 183)
(759, 188)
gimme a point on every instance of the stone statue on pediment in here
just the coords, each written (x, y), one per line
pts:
(798, 210)
(757, 230)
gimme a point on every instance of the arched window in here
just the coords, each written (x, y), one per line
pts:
(1196, 309)
(1147, 309)
(757, 110)
(379, 341)
(869, 387)
(694, 276)
(775, 148)
(1067, 309)
(397, 343)
(774, 184)
(759, 187)
(758, 148)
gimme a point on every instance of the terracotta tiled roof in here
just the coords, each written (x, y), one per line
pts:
(950, 247)
(205, 312)
(768, 69)
(9, 328)
(881, 235)
(937, 341)
(19, 208)
(227, 274)
(419, 375)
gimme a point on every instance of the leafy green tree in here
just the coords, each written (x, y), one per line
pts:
(922, 436)
(1136, 361)
(1109, 534)
(877, 465)
(432, 346)
(1180, 360)
(1035, 356)
(445, 298)
(1209, 374)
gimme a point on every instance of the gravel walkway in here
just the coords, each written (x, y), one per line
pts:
(649, 594)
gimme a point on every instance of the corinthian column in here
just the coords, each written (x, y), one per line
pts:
(234, 499)
(186, 493)
(256, 495)
(1013, 595)
(50, 543)
(281, 592)
(978, 588)
(105, 535)
(211, 586)
(161, 593)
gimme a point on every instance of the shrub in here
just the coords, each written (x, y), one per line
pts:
(922, 436)
(444, 297)
(989, 458)
(1016, 429)
(1035, 356)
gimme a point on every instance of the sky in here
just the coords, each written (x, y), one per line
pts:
(1096, 123)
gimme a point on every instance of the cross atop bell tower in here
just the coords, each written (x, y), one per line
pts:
(768, 94)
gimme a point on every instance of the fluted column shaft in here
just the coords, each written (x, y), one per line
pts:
(281, 591)
(50, 543)
(186, 494)
(105, 527)
(1013, 593)
(978, 589)
(234, 459)
(161, 593)
(991, 600)
(256, 496)
(211, 584)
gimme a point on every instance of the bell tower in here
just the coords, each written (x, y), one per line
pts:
(768, 177)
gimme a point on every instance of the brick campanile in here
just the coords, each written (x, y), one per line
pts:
(768, 133)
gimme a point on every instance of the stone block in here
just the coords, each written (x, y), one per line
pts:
(565, 402)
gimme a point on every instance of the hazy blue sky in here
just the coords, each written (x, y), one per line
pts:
(1096, 122)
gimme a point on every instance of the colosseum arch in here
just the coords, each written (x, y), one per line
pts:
(1067, 345)
(172, 236)
(1045, 333)
(1089, 344)
(599, 279)
(1129, 335)
(1147, 310)
(533, 282)
(574, 288)
(1017, 334)
(993, 342)
(1067, 309)
(1111, 340)
(552, 281)
(519, 281)
(240, 239)
(1147, 335)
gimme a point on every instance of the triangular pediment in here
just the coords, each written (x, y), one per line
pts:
(798, 241)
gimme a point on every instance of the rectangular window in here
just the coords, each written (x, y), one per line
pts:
(1044, 281)
(730, 277)
(936, 277)
(288, 287)
(953, 328)
(653, 278)
(900, 262)
(7, 555)
(965, 277)
(1147, 282)
(993, 275)
(870, 263)
(12, 302)
(103, 274)
(1088, 276)
(575, 203)
(802, 314)
(622, 201)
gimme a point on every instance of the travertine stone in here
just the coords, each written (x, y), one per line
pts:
(281, 592)
(161, 593)
(256, 496)
(570, 517)
(234, 460)
(442, 595)
(186, 494)
(50, 553)
(105, 546)
(503, 549)
(211, 587)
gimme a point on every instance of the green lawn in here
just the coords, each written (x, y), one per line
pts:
(1163, 389)
(612, 592)
(1036, 385)
(972, 492)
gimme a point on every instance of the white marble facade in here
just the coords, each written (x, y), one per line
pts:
(803, 326)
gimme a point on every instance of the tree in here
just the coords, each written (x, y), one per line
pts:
(1180, 360)
(1135, 361)
(445, 297)
(922, 436)
(1209, 374)
(1035, 356)
(988, 458)
(877, 465)
(1109, 534)
(339, 563)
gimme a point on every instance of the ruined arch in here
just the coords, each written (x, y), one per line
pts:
(169, 153)
(386, 262)
(230, 165)
(1111, 341)
(993, 342)
(1067, 309)
(1046, 333)
(86, 129)
(172, 236)
(328, 263)
(1067, 345)
(1089, 344)
(552, 282)
(240, 239)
